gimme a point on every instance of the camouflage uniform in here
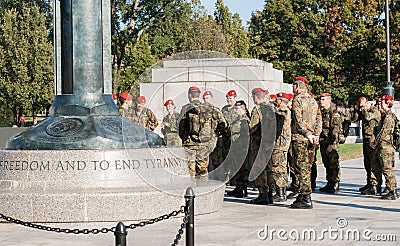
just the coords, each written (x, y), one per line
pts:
(306, 120)
(370, 119)
(197, 133)
(170, 132)
(331, 129)
(279, 155)
(386, 151)
(229, 116)
(216, 155)
(257, 115)
(145, 118)
(239, 128)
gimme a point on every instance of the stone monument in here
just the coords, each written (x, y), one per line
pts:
(85, 162)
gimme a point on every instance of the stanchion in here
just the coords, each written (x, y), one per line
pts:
(189, 199)
(120, 234)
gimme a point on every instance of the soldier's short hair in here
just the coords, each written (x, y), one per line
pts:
(195, 94)
(259, 94)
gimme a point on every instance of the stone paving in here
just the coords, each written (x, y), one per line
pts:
(337, 219)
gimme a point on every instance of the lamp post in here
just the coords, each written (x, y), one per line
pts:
(388, 89)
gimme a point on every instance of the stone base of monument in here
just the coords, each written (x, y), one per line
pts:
(100, 185)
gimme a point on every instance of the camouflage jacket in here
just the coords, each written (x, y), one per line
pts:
(370, 119)
(306, 117)
(197, 124)
(229, 114)
(331, 125)
(283, 130)
(239, 127)
(145, 118)
(219, 122)
(386, 128)
(172, 123)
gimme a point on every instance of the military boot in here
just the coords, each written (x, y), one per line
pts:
(391, 195)
(262, 199)
(235, 192)
(326, 187)
(302, 202)
(280, 195)
(270, 197)
(371, 191)
(334, 188)
(294, 194)
(364, 187)
(385, 191)
(244, 187)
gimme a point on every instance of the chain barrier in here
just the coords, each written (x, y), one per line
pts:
(180, 231)
(92, 231)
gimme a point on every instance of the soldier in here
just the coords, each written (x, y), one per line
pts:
(125, 102)
(196, 131)
(279, 155)
(229, 114)
(306, 128)
(370, 118)
(169, 125)
(257, 115)
(329, 143)
(239, 129)
(216, 156)
(384, 144)
(144, 116)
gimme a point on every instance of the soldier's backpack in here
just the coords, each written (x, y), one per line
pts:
(396, 134)
(200, 123)
(346, 122)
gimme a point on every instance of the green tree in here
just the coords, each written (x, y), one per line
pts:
(26, 75)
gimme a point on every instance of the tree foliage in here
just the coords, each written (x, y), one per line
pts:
(338, 45)
(26, 72)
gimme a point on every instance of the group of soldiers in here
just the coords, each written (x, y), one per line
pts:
(280, 136)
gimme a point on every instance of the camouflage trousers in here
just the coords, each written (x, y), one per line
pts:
(172, 139)
(331, 161)
(265, 181)
(385, 167)
(279, 168)
(303, 156)
(370, 159)
(220, 152)
(198, 159)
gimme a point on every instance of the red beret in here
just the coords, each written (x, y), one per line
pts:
(194, 88)
(207, 93)
(266, 92)
(325, 94)
(286, 96)
(125, 95)
(272, 96)
(359, 100)
(300, 78)
(141, 99)
(309, 93)
(290, 95)
(387, 97)
(114, 96)
(255, 90)
(168, 102)
(231, 93)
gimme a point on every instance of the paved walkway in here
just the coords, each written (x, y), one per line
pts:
(336, 219)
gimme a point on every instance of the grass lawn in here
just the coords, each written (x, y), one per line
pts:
(346, 152)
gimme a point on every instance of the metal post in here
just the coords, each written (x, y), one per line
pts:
(189, 199)
(389, 85)
(120, 234)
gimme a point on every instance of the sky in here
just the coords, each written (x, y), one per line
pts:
(243, 7)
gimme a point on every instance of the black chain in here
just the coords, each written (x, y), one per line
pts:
(180, 231)
(158, 219)
(93, 231)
